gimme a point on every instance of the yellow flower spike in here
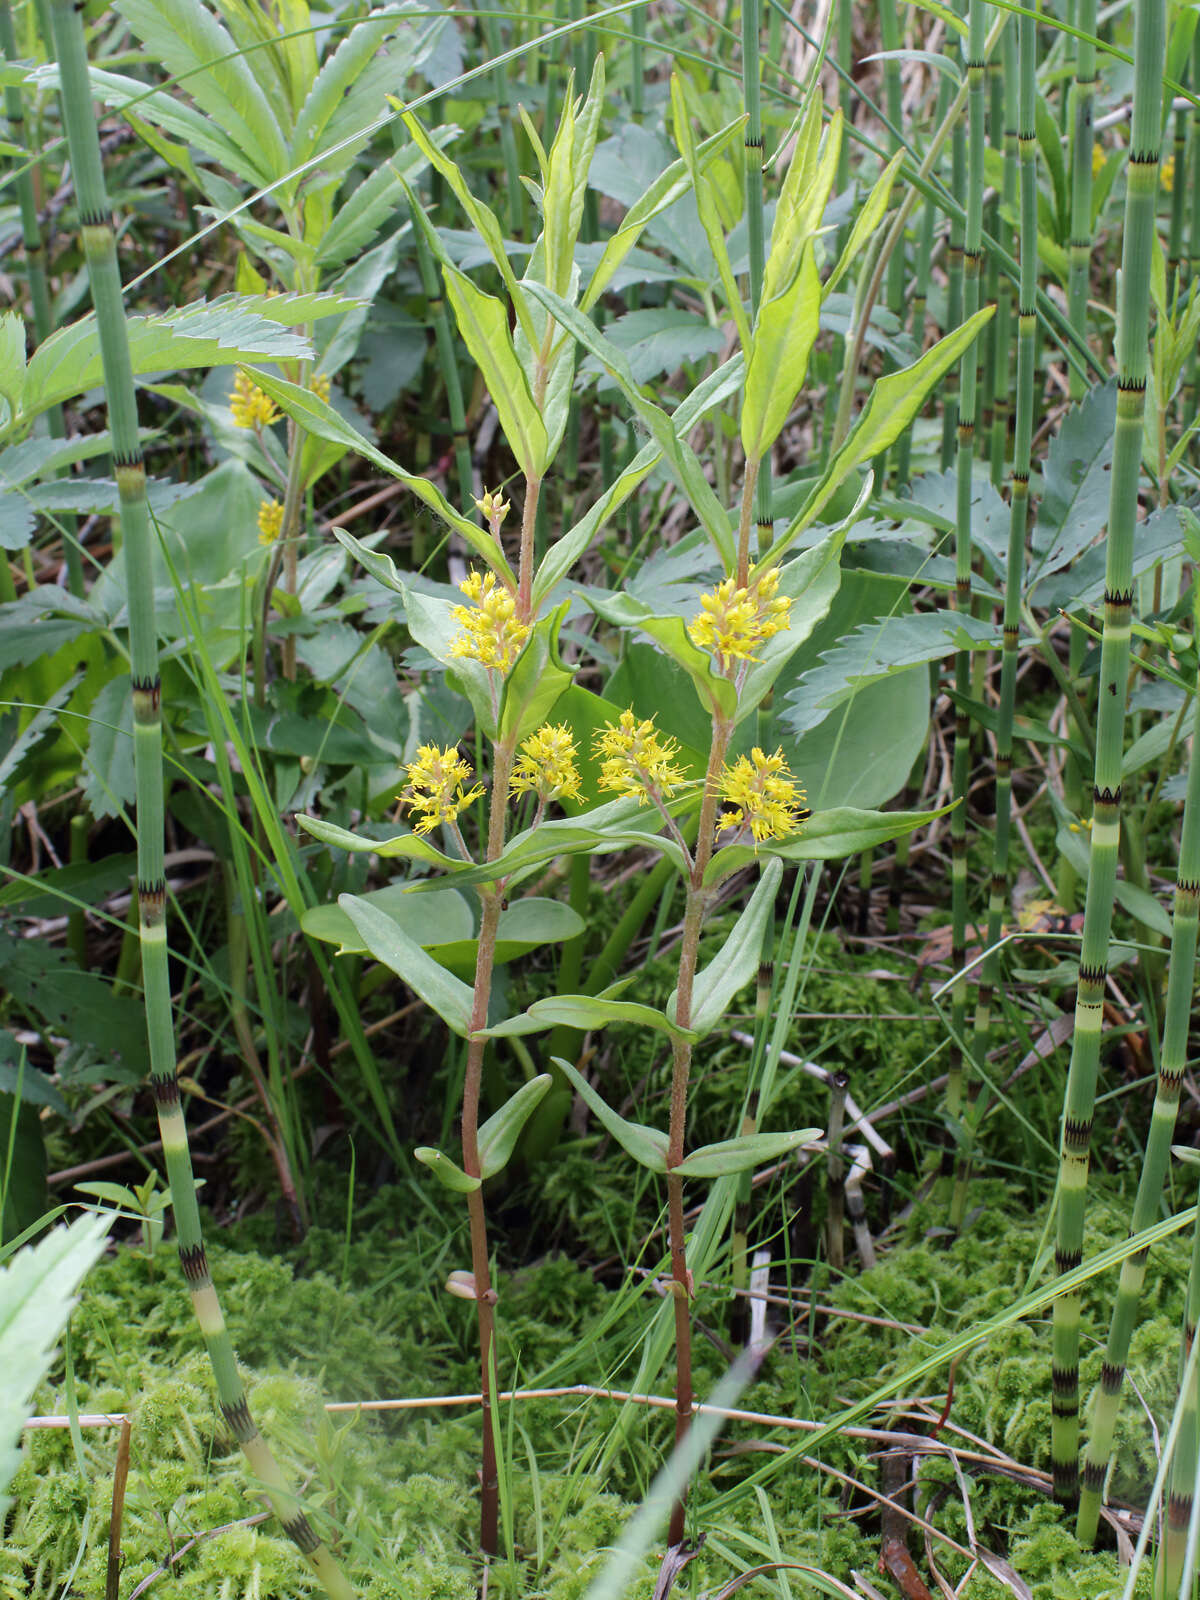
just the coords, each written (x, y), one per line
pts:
(733, 622)
(491, 633)
(1099, 157)
(764, 796)
(546, 766)
(320, 385)
(637, 760)
(251, 407)
(493, 508)
(270, 521)
(436, 787)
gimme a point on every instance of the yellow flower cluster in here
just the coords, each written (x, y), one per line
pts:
(251, 407)
(733, 622)
(546, 765)
(319, 385)
(436, 787)
(637, 762)
(763, 795)
(491, 633)
(270, 521)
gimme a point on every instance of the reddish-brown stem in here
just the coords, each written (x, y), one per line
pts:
(533, 487)
(485, 1297)
(693, 919)
(746, 523)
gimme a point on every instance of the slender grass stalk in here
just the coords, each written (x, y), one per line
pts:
(976, 68)
(1173, 1577)
(889, 31)
(100, 250)
(954, 290)
(508, 138)
(835, 1173)
(1082, 140)
(1013, 581)
(1177, 262)
(739, 1248)
(1172, 1062)
(1191, 388)
(1131, 347)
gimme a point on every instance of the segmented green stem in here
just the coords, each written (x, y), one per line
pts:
(1131, 348)
(1173, 1578)
(954, 290)
(1013, 582)
(35, 267)
(752, 100)
(1172, 1061)
(100, 250)
(976, 66)
(1004, 138)
(1080, 250)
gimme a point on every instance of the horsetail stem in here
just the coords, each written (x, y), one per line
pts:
(976, 66)
(752, 101)
(1172, 1061)
(1176, 1561)
(1082, 139)
(35, 267)
(1018, 525)
(100, 251)
(1131, 348)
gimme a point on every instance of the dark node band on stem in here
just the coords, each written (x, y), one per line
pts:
(193, 1263)
(1063, 1402)
(1110, 798)
(1067, 1261)
(165, 1092)
(1112, 1376)
(238, 1418)
(1179, 1510)
(1093, 1476)
(1143, 158)
(300, 1531)
(1120, 599)
(754, 144)
(1128, 385)
(149, 692)
(1189, 887)
(1095, 975)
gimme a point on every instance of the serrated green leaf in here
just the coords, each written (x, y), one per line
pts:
(450, 998)
(499, 1134)
(647, 1146)
(447, 1172)
(730, 1156)
(37, 1295)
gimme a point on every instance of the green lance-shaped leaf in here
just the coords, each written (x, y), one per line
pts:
(868, 219)
(670, 186)
(483, 322)
(712, 391)
(499, 1134)
(716, 984)
(826, 836)
(389, 944)
(894, 402)
(585, 1012)
(447, 1172)
(717, 694)
(565, 178)
(408, 846)
(482, 218)
(320, 418)
(748, 1150)
(710, 219)
(37, 1295)
(803, 198)
(431, 623)
(537, 679)
(784, 334)
(647, 1146)
(680, 457)
(377, 562)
